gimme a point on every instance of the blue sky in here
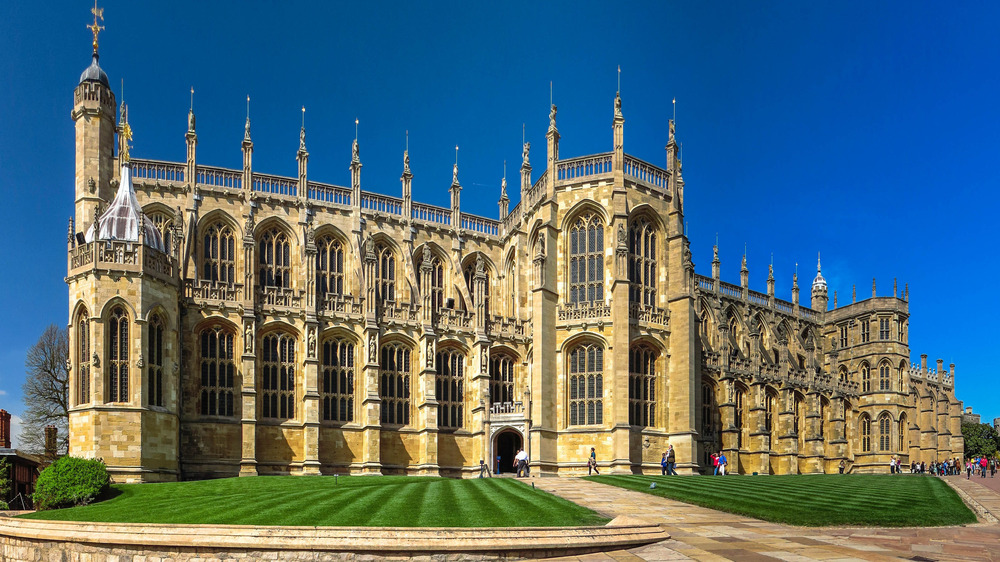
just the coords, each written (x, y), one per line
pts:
(865, 131)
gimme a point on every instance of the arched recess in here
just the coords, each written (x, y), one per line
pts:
(509, 285)
(277, 249)
(278, 360)
(584, 241)
(395, 379)
(901, 385)
(740, 414)
(584, 367)
(450, 363)
(884, 376)
(442, 275)
(707, 325)
(335, 259)
(469, 267)
(866, 377)
(81, 350)
(903, 437)
(504, 367)
(217, 367)
(865, 431)
(219, 252)
(393, 281)
(645, 255)
(643, 363)
(885, 432)
(118, 320)
(338, 371)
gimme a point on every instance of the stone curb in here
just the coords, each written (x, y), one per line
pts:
(973, 504)
(621, 533)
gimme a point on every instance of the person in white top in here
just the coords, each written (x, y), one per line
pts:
(521, 462)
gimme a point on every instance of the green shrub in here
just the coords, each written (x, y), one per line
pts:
(70, 481)
(5, 485)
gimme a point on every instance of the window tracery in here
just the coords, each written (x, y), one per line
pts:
(642, 386)
(884, 433)
(586, 385)
(449, 383)
(219, 254)
(218, 371)
(118, 353)
(330, 267)
(82, 358)
(275, 260)
(394, 384)
(642, 273)
(385, 273)
(278, 376)
(866, 433)
(154, 372)
(884, 377)
(338, 380)
(501, 378)
(586, 260)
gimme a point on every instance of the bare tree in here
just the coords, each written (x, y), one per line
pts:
(46, 390)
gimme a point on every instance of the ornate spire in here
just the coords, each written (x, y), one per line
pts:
(246, 128)
(819, 282)
(302, 132)
(95, 28)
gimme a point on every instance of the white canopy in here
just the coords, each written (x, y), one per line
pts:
(124, 217)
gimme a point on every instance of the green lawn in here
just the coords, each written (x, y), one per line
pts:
(814, 500)
(386, 501)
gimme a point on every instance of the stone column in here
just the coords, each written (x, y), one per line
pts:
(545, 370)
(759, 461)
(248, 462)
(786, 447)
(371, 404)
(814, 439)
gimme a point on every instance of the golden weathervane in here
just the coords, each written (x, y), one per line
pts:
(94, 27)
(126, 137)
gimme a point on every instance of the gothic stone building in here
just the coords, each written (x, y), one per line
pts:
(230, 322)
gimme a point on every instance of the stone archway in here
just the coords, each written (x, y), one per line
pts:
(505, 446)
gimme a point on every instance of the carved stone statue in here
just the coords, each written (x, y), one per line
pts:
(246, 130)
(310, 234)
(370, 248)
(524, 154)
(96, 360)
(248, 337)
(355, 153)
(302, 138)
(312, 342)
(454, 175)
(372, 348)
(480, 265)
(552, 117)
(248, 230)
(140, 363)
(485, 367)
(191, 121)
(541, 246)
(618, 105)
(430, 354)
(406, 160)
(622, 235)
(92, 185)
(426, 263)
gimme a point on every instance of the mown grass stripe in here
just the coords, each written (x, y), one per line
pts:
(815, 500)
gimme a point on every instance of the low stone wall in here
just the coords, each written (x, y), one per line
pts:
(28, 540)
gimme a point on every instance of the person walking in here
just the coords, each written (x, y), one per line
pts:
(521, 461)
(663, 465)
(722, 463)
(715, 464)
(843, 465)
(592, 463)
(671, 461)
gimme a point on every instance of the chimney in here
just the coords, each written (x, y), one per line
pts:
(923, 362)
(51, 434)
(4, 429)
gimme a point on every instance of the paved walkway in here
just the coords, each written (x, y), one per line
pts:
(984, 492)
(703, 534)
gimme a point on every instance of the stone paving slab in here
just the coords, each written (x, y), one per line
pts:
(699, 533)
(983, 493)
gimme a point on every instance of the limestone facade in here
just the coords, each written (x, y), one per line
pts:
(297, 327)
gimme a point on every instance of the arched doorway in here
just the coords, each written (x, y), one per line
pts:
(505, 446)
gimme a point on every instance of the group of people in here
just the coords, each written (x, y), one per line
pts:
(719, 462)
(980, 465)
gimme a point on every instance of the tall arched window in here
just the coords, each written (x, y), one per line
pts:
(769, 424)
(437, 280)
(501, 378)
(278, 376)
(707, 410)
(642, 386)
(824, 409)
(394, 384)
(385, 273)
(154, 372)
(586, 385)
(884, 433)
(82, 358)
(338, 380)
(642, 262)
(902, 441)
(586, 260)
(470, 276)
(118, 342)
(219, 254)
(884, 377)
(866, 433)
(798, 418)
(330, 267)
(866, 378)
(900, 385)
(165, 225)
(217, 362)
(449, 384)
(509, 293)
(740, 416)
(843, 374)
(275, 260)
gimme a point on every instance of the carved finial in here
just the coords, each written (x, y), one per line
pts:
(355, 151)
(95, 28)
(302, 131)
(525, 149)
(552, 118)
(191, 113)
(454, 170)
(246, 128)
(819, 268)
(126, 136)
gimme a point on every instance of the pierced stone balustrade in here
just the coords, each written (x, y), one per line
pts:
(584, 311)
(204, 290)
(648, 314)
(506, 411)
(391, 311)
(505, 327)
(119, 256)
(279, 296)
(341, 304)
(451, 318)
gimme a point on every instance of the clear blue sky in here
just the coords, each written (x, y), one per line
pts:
(866, 131)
